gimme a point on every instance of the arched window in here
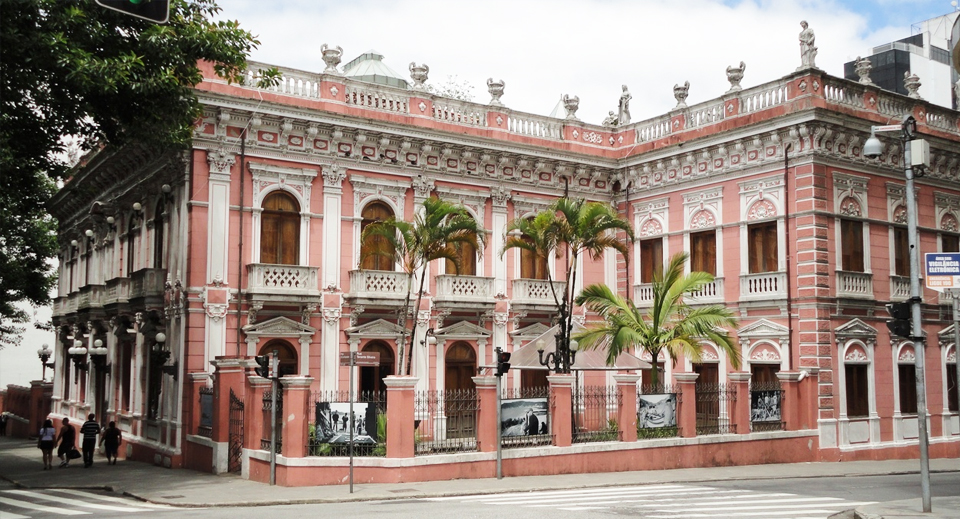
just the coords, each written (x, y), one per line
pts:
(158, 236)
(280, 230)
(373, 248)
(467, 254)
(371, 378)
(286, 355)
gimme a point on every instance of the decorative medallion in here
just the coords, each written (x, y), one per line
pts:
(702, 219)
(762, 209)
(651, 228)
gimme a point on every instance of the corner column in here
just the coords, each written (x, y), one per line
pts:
(790, 400)
(228, 375)
(627, 385)
(561, 423)
(400, 412)
(688, 403)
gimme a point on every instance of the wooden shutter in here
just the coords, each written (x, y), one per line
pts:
(950, 243)
(901, 254)
(467, 254)
(703, 252)
(851, 246)
(857, 388)
(651, 258)
(762, 247)
(375, 212)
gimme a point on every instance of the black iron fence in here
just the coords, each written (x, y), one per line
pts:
(329, 434)
(267, 416)
(766, 407)
(235, 458)
(596, 411)
(525, 416)
(658, 409)
(713, 408)
(446, 421)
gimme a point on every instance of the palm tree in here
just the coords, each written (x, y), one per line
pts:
(669, 325)
(568, 229)
(437, 232)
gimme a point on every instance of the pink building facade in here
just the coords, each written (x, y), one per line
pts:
(178, 267)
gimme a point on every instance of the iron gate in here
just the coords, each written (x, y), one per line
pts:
(236, 434)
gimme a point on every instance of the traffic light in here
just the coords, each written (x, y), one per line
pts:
(900, 324)
(157, 11)
(503, 362)
(263, 365)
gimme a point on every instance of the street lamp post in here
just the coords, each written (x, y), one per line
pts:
(564, 355)
(44, 354)
(911, 146)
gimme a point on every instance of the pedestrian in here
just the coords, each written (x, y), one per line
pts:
(89, 430)
(3, 424)
(336, 421)
(112, 438)
(45, 441)
(67, 441)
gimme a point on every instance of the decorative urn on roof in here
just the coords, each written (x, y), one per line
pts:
(419, 75)
(496, 90)
(331, 56)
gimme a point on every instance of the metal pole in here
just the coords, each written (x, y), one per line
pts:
(274, 379)
(353, 356)
(956, 344)
(499, 425)
(918, 341)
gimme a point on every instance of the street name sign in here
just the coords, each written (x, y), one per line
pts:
(364, 359)
(942, 270)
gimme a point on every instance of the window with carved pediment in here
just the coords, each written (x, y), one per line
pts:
(280, 229)
(703, 252)
(762, 247)
(851, 245)
(907, 380)
(651, 258)
(376, 252)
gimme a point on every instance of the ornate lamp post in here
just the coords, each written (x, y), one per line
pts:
(44, 353)
(98, 354)
(562, 358)
(78, 353)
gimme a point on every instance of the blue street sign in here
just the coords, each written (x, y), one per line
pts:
(942, 270)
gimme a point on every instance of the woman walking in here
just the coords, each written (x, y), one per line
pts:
(46, 441)
(67, 439)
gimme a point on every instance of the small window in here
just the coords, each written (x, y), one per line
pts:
(907, 376)
(703, 252)
(857, 390)
(851, 246)
(651, 259)
(762, 247)
(950, 243)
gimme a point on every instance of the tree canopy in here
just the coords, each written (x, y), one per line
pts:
(70, 68)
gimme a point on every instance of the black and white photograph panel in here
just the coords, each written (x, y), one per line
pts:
(523, 417)
(764, 406)
(655, 411)
(334, 423)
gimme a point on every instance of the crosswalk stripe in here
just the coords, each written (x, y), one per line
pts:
(525, 499)
(41, 508)
(82, 504)
(737, 508)
(738, 515)
(11, 515)
(738, 503)
(111, 499)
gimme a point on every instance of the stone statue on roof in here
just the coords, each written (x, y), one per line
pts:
(611, 120)
(624, 114)
(808, 48)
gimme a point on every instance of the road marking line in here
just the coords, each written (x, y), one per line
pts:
(745, 514)
(111, 499)
(537, 497)
(768, 507)
(580, 492)
(41, 508)
(740, 503)
(11, 515)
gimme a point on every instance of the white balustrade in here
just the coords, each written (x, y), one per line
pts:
(762, 97)
(459, 112)
(117, 291)
(368, 96)
(892, 105)
(702, 115)
(292, 280)
(378, 284)
(643, 294)
(535, 126)
(653, 129)
(899, 288)
(537, 291)
(845, 93)
(468, 289)
(709, 293)
(858, 285)
(763, 286)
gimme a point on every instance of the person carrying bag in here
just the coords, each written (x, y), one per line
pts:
(67, 441)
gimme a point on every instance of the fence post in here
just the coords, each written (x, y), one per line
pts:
(253, 424)
(627, 385)
(296, 415)
(561, 394)
(740, 414)
(228, 375)
(790, 400)
(400, 410)
(688, 403)
(487, 414)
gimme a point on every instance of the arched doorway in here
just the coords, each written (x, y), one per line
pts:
(371, 377)
(461, 367)
(286, 355)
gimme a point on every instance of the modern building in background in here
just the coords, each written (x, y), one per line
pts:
(177, 267)
(927, 53)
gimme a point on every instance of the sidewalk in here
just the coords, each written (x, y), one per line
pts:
(20, 463)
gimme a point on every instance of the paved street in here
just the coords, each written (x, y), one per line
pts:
(42, 503)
